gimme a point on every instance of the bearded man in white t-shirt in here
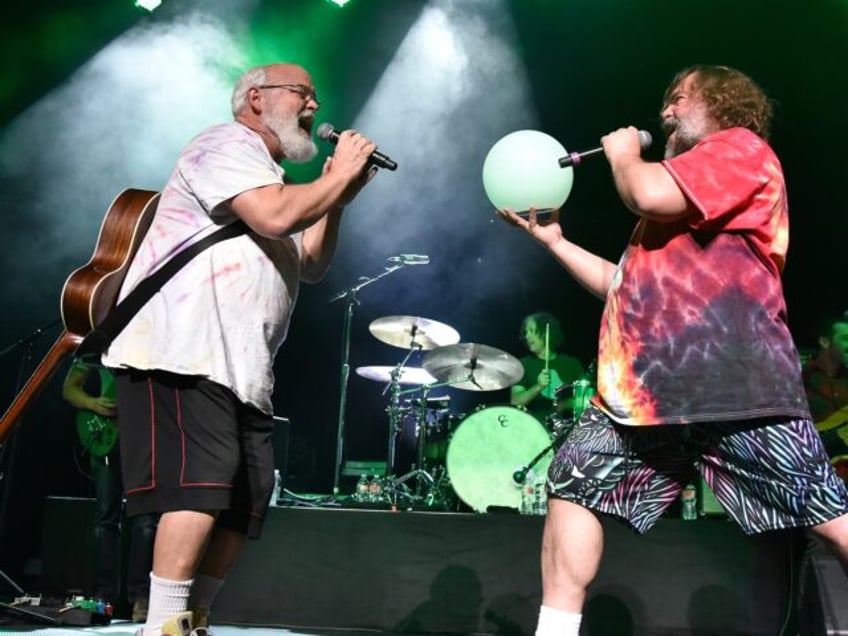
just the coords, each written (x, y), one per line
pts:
(194, 367)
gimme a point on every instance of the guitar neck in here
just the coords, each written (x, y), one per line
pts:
(42, 374)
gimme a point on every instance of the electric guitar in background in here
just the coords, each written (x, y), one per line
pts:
(97, 433)
(834, 433)
(91, 291)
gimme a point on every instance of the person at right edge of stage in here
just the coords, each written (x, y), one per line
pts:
(826, 382)
(194, 367)
(697, 369)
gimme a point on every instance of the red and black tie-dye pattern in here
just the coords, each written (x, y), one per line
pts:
(694, 327)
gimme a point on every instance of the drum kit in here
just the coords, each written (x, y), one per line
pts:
(485, 459)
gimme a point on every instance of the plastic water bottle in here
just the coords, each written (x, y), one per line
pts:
(688, 501)
(528, 494)
(362, 489)
(278, 485)
(540, 498)
(375, 489)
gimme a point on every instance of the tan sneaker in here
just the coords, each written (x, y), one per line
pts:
(200, 618)
(178, 625)
(139, 611)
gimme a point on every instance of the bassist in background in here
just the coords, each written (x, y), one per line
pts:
(91, 389)
(826, 383)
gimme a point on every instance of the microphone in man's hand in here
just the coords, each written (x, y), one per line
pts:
(574, 158)
(328, 133)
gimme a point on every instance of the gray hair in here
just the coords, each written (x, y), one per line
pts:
(253, 77)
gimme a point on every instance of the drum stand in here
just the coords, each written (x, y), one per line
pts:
(426, 489)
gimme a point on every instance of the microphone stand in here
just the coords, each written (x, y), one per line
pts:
(350, 297)
(7, 459)
(520, 475)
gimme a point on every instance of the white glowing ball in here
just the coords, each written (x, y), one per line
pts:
(522, 171)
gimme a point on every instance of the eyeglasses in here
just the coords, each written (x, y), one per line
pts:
(306, 93)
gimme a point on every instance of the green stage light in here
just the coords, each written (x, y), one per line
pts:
(339, 3)
(149, 5)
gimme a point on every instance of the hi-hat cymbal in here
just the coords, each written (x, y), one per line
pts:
(408, 375)
(412, 332)
(474, 367)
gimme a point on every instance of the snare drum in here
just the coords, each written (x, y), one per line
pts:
(486, 449)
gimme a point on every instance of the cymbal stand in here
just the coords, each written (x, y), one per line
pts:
(395, 411)
(421, 431)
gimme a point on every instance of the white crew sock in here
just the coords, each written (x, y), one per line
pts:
(166, 599)
(556, 622)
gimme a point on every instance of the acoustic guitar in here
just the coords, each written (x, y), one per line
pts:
(92, 290)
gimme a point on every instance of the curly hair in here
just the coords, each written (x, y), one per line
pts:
(544, 319)
(732, 97)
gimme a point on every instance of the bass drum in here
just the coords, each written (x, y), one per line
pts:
(486, 449)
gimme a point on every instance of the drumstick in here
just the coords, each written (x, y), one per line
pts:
(547, 350)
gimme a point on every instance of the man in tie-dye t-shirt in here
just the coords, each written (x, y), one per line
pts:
(697, 370)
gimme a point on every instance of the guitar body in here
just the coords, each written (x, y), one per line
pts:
(97, 433)
(91, 291)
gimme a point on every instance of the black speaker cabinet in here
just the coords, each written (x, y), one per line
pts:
(824, 602)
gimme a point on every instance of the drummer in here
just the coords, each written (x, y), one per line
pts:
(546, 370)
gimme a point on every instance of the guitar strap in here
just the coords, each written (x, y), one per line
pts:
(98, 339)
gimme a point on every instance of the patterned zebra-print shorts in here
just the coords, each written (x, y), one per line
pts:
(768, 474)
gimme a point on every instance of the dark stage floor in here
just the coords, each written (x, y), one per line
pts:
(128, 629)
(343, 572)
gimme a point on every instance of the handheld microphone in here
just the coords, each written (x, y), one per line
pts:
(328, 133)
(410, 259)
(574, 158)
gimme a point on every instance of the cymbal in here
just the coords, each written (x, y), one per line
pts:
(408, 375)
(474, 367)
(412, 332)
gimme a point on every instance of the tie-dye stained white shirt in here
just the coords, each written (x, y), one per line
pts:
(225, 314)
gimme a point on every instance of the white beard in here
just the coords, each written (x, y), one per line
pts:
(297, 146)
